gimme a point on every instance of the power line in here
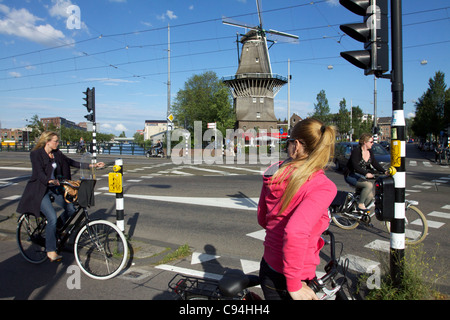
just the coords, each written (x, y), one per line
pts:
(200, 22)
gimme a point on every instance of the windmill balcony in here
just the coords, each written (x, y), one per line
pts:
(255, 84)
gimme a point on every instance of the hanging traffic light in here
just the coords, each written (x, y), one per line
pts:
(384, 198)
(373, 32)
(88, 100)
(90, 104)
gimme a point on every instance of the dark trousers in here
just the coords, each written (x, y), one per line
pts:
(273, 283)
(50, 213)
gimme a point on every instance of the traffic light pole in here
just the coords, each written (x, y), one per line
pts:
(398, 146)
(94, 133)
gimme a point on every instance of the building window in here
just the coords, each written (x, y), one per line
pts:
(258, 115)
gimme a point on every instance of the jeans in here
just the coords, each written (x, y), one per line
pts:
(273, 283)
(50, 213)
(359, 182)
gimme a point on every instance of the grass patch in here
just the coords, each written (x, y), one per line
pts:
(419, 282)
(181, 252)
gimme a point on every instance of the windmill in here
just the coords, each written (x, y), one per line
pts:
(254, 86)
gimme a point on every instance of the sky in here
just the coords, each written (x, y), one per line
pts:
(49, 56)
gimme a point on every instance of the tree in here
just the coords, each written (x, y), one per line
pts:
(37, 127)
(433, 108)
(343, 119)
(204, 98)
(321, 109)
(139, 138)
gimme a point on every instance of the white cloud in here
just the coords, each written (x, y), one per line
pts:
(59, 8)
(15, 74)
(169, 14)
(120, 127)
(22, 23)
(111, 81)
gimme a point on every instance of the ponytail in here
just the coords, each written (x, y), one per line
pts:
(318, 141)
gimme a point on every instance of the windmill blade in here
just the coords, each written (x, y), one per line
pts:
(284, 34)
(259, 7)
(236, 23)
(277, 38)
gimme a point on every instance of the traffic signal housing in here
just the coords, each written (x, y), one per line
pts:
(373, 32)
(384, 198)
(90, 104)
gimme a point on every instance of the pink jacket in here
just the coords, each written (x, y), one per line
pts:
(293, 238)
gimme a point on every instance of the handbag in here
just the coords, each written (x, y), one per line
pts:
(71, 190)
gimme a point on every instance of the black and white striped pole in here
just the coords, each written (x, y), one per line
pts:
(118, 170)
(398, 150)
(94, 147)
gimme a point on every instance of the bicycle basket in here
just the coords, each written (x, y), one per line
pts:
(86, 193)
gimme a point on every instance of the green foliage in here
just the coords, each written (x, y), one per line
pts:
(433, 108)
(204, 98)
(421, 273)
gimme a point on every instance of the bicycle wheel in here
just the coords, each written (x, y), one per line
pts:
(416, 226)
(101, 249)
(343, 221)
(30, 235)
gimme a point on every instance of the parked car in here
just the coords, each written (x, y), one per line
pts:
(344, 149)
(385, 144)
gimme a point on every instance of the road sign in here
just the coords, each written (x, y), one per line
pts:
(395, 153)
(115, 182)
(170, 117)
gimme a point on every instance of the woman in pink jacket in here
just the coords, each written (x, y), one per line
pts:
(293, 208)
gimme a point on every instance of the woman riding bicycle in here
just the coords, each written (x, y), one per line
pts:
(293, 208)
(47, 163)
(361, 166)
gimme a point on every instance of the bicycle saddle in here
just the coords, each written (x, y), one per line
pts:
(234, 281)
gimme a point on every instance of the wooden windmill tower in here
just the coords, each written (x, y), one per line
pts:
(254, 86)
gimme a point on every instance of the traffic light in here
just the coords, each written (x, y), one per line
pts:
(90, 117)
(90, 104)
(384, 198)
(373, 32)
(88, 100)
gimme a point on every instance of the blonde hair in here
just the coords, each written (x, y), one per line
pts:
(45, 137)
(318, 142)
(364, 138)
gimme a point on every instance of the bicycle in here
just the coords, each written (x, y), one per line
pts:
(100, 247)
(235, 285)
(345, 214)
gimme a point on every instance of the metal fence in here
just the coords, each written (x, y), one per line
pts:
(105, 148)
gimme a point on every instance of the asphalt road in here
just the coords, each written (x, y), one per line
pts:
(212, 208)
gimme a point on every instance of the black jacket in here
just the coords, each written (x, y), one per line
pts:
(41, 173)
(358, 165)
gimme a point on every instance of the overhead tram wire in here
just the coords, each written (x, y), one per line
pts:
(100, 36)
(180, 25)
